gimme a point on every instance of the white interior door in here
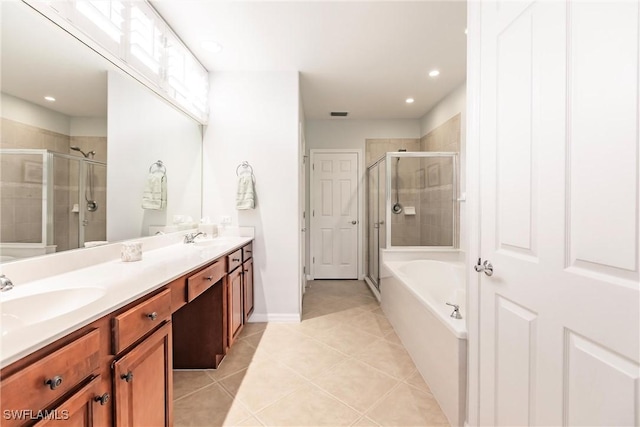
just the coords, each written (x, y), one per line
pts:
(559, 318)
(334, 215)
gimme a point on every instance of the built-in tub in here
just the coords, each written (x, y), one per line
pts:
(414, 296)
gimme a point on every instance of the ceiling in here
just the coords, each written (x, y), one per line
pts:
(364, 57)
(38, 60)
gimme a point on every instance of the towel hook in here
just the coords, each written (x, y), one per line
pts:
(158, 165)
(244, 165)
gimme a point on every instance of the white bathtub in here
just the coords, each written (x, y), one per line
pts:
(413, 296)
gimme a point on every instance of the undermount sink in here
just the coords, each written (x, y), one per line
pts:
(34, 307)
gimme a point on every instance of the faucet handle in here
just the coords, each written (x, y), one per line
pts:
(456, 310)
(5, 283)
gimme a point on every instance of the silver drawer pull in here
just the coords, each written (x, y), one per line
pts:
(209, 278)
(235, 259)
(152, 316)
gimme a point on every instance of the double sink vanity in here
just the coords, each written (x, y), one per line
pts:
(97, 345)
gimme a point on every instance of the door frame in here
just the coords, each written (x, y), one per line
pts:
(302, 171)
(359, 203)
(473, 166)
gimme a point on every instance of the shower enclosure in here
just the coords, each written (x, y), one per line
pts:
(50, 201)
(412, 203)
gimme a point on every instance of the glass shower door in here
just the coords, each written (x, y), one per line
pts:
(373, 225)
(382, 208)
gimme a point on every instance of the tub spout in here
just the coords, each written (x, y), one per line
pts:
(456, 311)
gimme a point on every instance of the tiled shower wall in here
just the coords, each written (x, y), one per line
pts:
(403, 226)
(436, 201)
(425, 184)
(21, 200)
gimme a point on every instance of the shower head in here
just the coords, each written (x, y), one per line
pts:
(86, 155)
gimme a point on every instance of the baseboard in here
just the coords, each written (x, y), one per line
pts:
(275, 318)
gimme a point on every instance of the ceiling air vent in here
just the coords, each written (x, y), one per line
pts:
(339, 114)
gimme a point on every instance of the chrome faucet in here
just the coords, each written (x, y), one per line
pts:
(5, 283)
(456, 310)
(191, 237)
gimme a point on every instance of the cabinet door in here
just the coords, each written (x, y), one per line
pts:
(143, 385)
(247, 281)
(77, 410)
(236, 313)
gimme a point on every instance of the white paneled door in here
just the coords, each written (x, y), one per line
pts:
(334, 215)
(559, 332)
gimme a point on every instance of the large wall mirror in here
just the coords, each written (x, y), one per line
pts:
(73, 170)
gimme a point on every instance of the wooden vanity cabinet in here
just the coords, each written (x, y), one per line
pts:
(235, 307)
(240, 290)
(79, 410)
(143, 382)
(118, 370)
(247, 283)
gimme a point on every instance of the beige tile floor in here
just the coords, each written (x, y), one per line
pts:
(343, 365)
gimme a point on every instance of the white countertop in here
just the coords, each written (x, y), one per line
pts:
(123, 282)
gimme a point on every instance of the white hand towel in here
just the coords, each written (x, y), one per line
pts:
(155, 191)
(245, 199)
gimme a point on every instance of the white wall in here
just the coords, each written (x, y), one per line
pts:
(455, 102)
(449, 106)
(254, 116)
(19, 110)
(88, 126)
(352, 134)
(144, 128)
(346, 133)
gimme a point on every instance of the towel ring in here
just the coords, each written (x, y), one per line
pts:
(159, 165)
(244, 165)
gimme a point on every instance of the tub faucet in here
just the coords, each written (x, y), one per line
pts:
(191, 237)
(5, 283)
(456, 310)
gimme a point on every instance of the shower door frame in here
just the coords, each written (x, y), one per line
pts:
(455, 199)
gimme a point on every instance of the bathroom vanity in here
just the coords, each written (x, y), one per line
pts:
(117, 369)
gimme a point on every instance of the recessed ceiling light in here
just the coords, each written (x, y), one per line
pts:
(409, 100)
(50, 98)
(211, 46)
(434, 73)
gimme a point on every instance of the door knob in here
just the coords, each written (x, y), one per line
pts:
(485, 267)
(354, 222)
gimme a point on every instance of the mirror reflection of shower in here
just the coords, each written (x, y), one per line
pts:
(92, 205)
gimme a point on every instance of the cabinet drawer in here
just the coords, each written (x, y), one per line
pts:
(200, 282)
(134, 323)
(48, 379)
(78, 410)
(247, 252)
(234, 260)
